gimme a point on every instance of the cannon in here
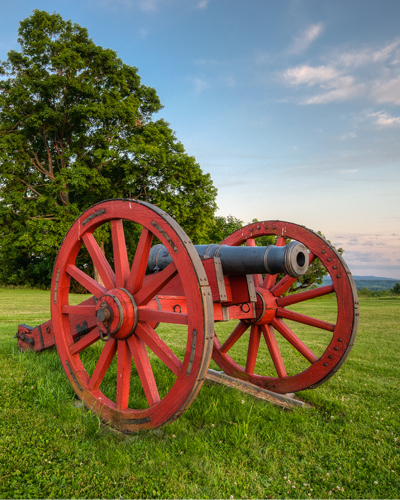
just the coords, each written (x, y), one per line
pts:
(137, 348)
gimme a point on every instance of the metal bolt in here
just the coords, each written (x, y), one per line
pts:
(336, 348)
(258, 227)
(330, 357)
(334, 267)
(325, 364)
(338, 276)
(329, 259)
(340, 340)
(323, 251)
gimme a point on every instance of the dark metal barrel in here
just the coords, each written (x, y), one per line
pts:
(291, 259)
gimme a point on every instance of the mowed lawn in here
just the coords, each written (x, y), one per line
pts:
(227, 445)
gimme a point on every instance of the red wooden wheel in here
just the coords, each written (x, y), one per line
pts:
(119, 367)
(336, 338)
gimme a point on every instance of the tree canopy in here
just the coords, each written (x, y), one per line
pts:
(76, 127)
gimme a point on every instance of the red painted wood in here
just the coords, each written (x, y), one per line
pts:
(86, 281)
(99, 260)
(283, 285)
(136, 277)
(239, 289)
(103, 364)
(124, 362)
(79, 310)
(88, 340)
(338, 346)
(151, 315)
(254, 344)
(274, 351)
(301, 296)
(209, 268)
(234, 336)
(143, 366)
(121, 263)
(306, 320)
(286, 332)
(159, 347)
(196, 298)
(157, 283)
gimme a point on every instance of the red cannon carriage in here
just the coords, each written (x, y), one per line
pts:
(136, 374)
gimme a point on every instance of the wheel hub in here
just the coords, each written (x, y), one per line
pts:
(116, 314)
(265, 306)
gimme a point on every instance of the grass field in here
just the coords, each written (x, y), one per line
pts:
(227, 445)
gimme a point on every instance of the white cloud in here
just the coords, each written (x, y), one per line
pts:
(309, 75)
(349, 171)
(367, 56)
(199, 84)
(203, 4)
(387, 90)
(385, 120)
(345, 88)
(339, 79)
(305, 39)
(350, 135)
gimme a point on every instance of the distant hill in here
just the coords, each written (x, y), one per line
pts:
(370, 282)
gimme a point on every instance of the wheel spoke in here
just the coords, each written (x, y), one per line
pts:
(121, 263)
(100, 261)
(86, 281)
(139, 265)
(79, 310)
(104, 362)
(251, 242)
(300, 297)
(159, 347)
(151, 315)
(306, 320)
(143, 366)
(234, 336)
(86, 341)
(274, 351)
(155, 284)
(283, 285)
(269, 280)
(286, 332)
(254, 343)
(124, 363)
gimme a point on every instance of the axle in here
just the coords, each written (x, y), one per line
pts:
(291, 259)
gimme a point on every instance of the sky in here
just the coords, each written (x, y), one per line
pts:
(292, 106)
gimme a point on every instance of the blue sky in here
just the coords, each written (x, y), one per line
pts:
(292, 106)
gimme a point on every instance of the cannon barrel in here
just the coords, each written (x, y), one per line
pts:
(291, 259)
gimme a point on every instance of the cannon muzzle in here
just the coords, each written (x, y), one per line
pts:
(291, 259)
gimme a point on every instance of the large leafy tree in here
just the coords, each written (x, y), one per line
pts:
(76, 127)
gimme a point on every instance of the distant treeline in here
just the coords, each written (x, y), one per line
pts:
(393, 292)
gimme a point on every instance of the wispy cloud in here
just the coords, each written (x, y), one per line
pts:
(350, 135)
(338, 79)
(199, 84)
(385, 120)
(203, 4)
(367, 55)
(387, 90)
(305, 38)
(351, 171)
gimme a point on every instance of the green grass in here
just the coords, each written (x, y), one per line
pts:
(226, 445)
